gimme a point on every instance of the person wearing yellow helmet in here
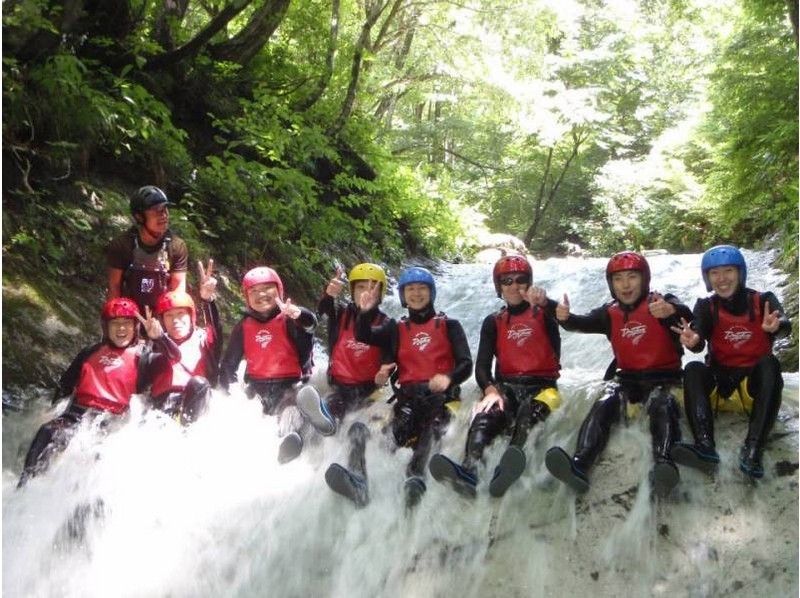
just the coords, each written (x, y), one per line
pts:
(522, 340)
(355, 369)
(275, 338)
(181, 363)
(432, 359)
(101, 379)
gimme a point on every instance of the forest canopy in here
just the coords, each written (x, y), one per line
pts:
(288, 132)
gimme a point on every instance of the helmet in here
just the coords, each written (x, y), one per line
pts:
(174, 299)
(146, 198)
(119, 307)
(723, 255)
(262, 275)
(415, 274)
(510, 264)
(628, 260)
(368, 271)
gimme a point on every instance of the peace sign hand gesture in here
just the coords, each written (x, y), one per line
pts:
(772, 319)
(208, 284)
(688, 337)
(289, 309)
(369, 298)
(152, 326)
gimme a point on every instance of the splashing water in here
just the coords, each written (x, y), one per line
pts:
(144, 507)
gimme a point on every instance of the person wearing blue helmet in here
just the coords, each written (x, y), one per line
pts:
(740, 372)
(431, 358)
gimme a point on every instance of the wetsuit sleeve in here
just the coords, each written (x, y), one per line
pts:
(327, 307)
(307, 321)
(178, 254)
(596, 321)
(551, 326)
(785, 325)
(232, 357)
(486, 352)
(69, 379)
(157, 354)
(702, 323)
(461, 354)
(383, 335)
(213, 328)
(682, 311)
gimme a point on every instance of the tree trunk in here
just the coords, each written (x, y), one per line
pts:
(243, 46)
(793, 17)
(172, 11)
(325, 78)
(194, 45)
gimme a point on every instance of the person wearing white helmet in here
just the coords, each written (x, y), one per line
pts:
(275, 338)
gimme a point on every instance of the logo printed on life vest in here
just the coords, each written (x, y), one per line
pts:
(737, 336)
(147, 285)
(520, 335)
(263, 338)
(356, 347)
(634, 331)
(421, 341)
(110, 361)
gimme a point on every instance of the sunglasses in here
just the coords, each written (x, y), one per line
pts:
(509, 280)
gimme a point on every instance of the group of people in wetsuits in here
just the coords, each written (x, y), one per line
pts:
(425, 357)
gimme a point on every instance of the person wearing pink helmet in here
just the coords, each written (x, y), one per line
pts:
(522, 340)
(101, 379)
(180, 366)
(275, 338)
(645, 370)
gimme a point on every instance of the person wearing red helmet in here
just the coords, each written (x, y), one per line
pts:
(180, 366)
(645, 370)
(101, 379)
(147, 259)
(432, 356)
(523, 341)
(740, 373)
(276, 339)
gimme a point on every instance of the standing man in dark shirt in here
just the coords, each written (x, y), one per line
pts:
(147, 260)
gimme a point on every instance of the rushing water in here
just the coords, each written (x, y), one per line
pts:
(207, 511)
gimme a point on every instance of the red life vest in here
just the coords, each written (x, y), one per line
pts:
(739, 341)
(642, 342)
(423, 350)
(268, 349)
(194, 352)
(108, 378)
(354, 362)
(523, 347)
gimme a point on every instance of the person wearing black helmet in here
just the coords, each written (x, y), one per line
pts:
(645, 370)
(740, 373)
(147, 260)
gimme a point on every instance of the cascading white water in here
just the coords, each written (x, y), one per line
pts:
(207, 511)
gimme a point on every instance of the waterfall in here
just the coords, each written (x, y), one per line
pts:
(143, 507)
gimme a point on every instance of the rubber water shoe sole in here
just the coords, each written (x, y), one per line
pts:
(310, 404)
(665, 478)
(559, 464)
(690, 456)
(347, 484)
(290, 448)
(508, 471)
(448, 472)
